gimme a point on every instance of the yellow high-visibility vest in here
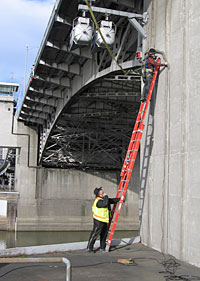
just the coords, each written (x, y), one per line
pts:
(100, 214)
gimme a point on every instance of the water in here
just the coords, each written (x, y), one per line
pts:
(36, 238)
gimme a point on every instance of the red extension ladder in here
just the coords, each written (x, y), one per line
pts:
(130, 158)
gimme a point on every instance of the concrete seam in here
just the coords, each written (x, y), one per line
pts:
(185, 114)
(168, 27)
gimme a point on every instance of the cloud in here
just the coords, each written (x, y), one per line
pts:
(23, 22)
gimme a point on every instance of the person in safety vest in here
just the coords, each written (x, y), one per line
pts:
(101, 215)
(150, 64)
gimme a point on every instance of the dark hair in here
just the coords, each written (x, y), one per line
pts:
(152, 51)
(96, 190)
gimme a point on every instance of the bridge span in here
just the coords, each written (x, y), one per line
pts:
(78, 99)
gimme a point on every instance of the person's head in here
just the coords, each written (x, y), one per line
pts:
(98, 191)
(152, 53)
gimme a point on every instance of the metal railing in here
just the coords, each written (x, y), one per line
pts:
(42, 259)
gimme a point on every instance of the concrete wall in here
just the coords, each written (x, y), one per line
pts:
(171, 206)
(63, 199)
(6, 118)
(14, 134)
(26, 160)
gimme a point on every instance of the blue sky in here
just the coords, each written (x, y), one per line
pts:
(22, 23)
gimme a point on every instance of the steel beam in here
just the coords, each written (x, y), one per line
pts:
(110, 12)
(57, 94)
(126, 93)
(138, 27)
(29, 112)
(92, 114)
(38, 106)
(27, 118)
(59, 82)
(62, 20)
(49, 102)
(83, 53)
(73, 69)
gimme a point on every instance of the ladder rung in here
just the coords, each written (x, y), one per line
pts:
(134, 149)
(127, 170)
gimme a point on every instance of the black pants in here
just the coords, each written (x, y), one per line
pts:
(147, 85)
(99, 228)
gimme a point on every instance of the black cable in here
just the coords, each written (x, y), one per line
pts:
(171, 266)
(192, 277)
(104, 4)
(182, 277)
(100, 263)
(48, 265)
(19, 268)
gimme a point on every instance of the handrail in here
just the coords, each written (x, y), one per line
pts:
(50, 259)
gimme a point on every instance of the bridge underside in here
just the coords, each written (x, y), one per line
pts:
(95, 129)
(80, 102)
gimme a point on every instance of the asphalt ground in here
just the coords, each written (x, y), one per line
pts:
(144, 264)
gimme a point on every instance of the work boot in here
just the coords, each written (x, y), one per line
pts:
(143, 99)
(89, 251)
(102, 250)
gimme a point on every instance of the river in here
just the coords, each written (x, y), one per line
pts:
(36, 238)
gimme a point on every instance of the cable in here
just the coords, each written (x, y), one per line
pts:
(18, 268)
(104, 3)
(171, 266)
(100, 263)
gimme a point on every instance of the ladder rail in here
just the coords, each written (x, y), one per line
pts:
(130, 158)
(133, 137)
(130, 147)
(126, 183)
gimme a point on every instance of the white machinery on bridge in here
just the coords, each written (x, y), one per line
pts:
(82, 31)
(108, 30)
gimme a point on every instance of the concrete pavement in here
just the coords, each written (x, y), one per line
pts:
(148, 265)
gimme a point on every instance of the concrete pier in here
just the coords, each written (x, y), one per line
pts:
(63, 200)
(170, 208)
